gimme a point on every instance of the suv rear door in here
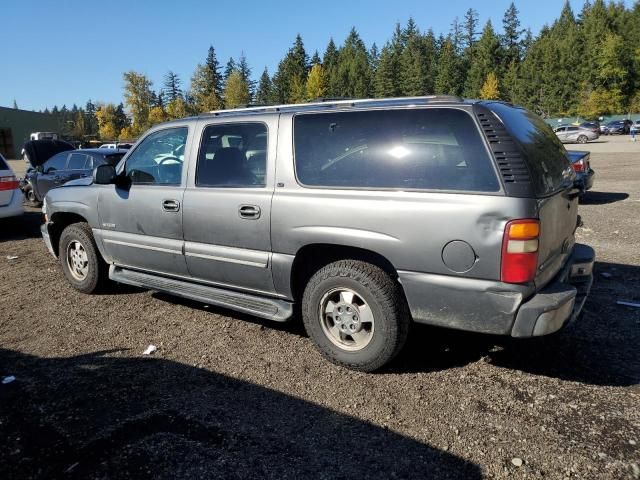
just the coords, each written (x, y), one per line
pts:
(227, 203)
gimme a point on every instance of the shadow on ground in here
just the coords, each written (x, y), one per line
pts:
(599, 348)
(21, 228)
(102, 415)
(602, 198)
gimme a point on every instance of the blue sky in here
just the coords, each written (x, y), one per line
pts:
(69, 51)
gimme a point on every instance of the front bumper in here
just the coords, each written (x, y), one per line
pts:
(44, 229)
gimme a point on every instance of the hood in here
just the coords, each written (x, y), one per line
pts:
(79, 182)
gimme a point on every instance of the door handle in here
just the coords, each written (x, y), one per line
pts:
(250, 212)
(170, 205)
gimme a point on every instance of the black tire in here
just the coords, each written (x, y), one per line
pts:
(583, 139)
(96, 271)
(30, 197)
(378, 290)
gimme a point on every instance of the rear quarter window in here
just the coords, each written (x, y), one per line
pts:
(425, 149)
(3, 164)
(543, 152)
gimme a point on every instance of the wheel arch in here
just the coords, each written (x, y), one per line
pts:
(60, 221)
(310, 258)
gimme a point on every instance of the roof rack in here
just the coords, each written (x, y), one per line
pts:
(330, 103)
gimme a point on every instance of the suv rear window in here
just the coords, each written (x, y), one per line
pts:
(544, 154)
(3, 164)
(431, 149)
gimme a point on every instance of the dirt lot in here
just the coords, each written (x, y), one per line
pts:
(231, 396)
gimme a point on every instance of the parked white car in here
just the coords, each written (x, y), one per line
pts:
(10, 194)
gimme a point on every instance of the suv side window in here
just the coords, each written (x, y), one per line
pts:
(429, 148)
(57, 162)
(233, 155)
(77, 161)
(159, 158)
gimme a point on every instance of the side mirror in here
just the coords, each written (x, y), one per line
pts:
(104, 175)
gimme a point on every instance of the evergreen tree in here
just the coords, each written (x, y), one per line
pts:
(91, 121)
(374, 57)
(447, 81)
(121, 119)
(329, 63)
(315, 60)
(511, 38)
(353, 73)
(291, 69)
(15, 104)
(206, 84)
(171, 86)
(470, 30)
(414, 63)
(264, 94)
(388, 79)
(487, 58)
(245, 73)
(229, 68)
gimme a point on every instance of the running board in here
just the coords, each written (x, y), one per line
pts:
(269, 308)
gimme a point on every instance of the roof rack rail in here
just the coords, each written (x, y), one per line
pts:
(329, 103)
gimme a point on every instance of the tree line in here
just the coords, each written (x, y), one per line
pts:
(585, 64)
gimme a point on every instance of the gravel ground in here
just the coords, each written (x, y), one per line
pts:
(227, 395)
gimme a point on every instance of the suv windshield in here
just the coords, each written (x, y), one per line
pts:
(544, 154)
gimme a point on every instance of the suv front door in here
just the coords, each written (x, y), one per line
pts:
(227, 205)
(141, 216)
(51, 173)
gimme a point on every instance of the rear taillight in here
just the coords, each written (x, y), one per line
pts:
(579, 166)
(9, 183)
(520, 251)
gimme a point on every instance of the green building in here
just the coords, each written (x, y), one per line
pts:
(16, 126)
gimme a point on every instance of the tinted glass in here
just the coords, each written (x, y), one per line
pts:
(57, 162)
(545, 155)
(113, 159)
(233, 155)
(436, 148)
(3, 164)
(77, 161)
(158, 159)
(572, 129)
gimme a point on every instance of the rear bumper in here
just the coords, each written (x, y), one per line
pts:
(587, 179)
(14, 207)
(561, 301)
(498, 308)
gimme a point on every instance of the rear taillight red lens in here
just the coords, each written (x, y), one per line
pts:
(579, 166)
(520, 251)
(9, 183)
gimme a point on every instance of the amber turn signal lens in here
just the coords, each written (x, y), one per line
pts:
(524, 230)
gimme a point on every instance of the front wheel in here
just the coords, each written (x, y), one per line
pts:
(582, 139)
(81, 262)
(30, 197)
(355, 314)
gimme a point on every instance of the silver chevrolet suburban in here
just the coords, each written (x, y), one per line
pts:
(368, 214)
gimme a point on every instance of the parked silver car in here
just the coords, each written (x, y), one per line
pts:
(575, 134)
(369, 214)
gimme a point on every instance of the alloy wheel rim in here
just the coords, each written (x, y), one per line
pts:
(77, 260)
(346, 319)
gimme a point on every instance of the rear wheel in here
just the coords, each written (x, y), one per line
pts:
(582, 139)
(81, 262)
(356, 314)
